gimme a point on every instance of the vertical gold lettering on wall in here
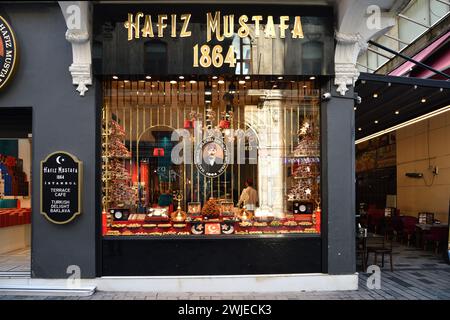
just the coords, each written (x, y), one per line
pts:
(173, 33)
(213, 25)
(228, 26)
(269, 31)
(161, 24)
(257, 19)
(243, 30)
(147, 30)
(284, 26)
(297, 32)
(133, 27)
(184, 32)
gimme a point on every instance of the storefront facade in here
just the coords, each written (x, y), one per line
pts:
(160, 91)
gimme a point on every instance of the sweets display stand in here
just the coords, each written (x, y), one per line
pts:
(197, 226)
(117, 190)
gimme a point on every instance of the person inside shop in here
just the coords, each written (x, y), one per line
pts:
(166, 200)
(249, 196)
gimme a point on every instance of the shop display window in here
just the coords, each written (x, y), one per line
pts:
(208, 156)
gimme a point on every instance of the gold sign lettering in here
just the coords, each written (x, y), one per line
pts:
(185, 18)
(204, 55)
(283, 26)
(161, 24)
(243, 30)
(133, 27)
(147, 31)
(257, 19)
(297, 32)
(228, 26)
(173, 34)
(269, 31)
(213, 25)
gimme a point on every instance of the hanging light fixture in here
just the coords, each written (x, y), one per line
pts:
(208, 89)
(158, 152)
(232, 88)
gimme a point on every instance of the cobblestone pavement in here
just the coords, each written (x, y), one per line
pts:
(418, 275)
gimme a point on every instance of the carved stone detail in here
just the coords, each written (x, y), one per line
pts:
(79, 37)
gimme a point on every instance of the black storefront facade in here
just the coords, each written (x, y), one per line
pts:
(65, 120)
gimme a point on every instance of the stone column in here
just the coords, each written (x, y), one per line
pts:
(270, 156)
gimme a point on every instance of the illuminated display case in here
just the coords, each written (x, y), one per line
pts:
(272, 138)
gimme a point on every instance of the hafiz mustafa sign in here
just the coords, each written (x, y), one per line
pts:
(203, 55)
(61, 182)
(8, 52)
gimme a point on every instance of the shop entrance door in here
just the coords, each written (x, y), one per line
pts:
(15, 191)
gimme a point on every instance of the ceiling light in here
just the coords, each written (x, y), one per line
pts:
(312, 78)
(280, 78)
(148, 77)
(220, 82)
(126, 81)
(359, 129)
(241, 81)
(423, 100)
(405, 124)
(375, 95)
(247, 77)
(376, 121)
(181, 77)
(214, 77)
(354, 108)
(192, 81)
(115, 77)
(397, 112)
(173, 82)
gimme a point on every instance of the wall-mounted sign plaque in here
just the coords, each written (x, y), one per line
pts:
(61, 182)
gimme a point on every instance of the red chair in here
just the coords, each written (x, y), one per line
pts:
(374, 217)
(409, 228)
(436, 235)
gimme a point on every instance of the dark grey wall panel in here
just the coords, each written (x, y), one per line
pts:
(62, 120)
(338, 161)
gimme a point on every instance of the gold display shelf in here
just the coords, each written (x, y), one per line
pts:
(117, 157)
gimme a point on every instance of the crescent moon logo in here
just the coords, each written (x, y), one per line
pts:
(57, 160)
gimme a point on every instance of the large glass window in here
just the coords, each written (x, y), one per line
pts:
(211, 156)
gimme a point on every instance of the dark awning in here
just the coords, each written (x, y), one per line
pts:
(388, 101)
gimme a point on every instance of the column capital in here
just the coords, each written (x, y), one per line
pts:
(355, 27)
(77, 15)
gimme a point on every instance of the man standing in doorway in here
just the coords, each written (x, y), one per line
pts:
(249, 196)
